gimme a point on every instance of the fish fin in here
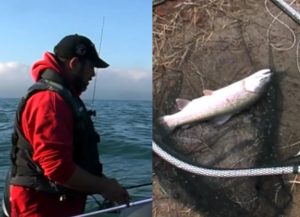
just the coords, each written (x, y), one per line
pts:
(181, 103)
(208, 92)
(221, 119)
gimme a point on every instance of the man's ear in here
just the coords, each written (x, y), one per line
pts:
(74, 62)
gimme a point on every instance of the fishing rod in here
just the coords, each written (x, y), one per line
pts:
(137, 186)
(108, 204)
(120, 207)
(93, 112)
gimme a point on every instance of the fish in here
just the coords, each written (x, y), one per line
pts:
(220, 104)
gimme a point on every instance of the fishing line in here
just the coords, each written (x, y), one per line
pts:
(275, 18)
(109, 204)
(297, 56)
(99, 49)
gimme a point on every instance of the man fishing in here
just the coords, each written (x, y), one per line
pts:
(55, 160)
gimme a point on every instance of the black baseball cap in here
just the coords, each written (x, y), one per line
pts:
(79, 46)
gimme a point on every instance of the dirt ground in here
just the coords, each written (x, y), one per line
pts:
(197, 45)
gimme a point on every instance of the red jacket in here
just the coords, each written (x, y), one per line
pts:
(47, 123)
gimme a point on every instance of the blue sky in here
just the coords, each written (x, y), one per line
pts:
(29, 28)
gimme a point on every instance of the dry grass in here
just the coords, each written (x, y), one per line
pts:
(166, 26)
(163, 206)
(198, 14)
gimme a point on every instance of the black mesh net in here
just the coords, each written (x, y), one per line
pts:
(200, 45)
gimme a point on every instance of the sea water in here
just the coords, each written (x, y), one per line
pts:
(125, 149)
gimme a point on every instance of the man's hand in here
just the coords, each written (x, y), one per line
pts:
(87, 183)
(113, 191)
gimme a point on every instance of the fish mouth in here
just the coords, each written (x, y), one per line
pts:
(266, 72)
(258, 80)
(263, 74)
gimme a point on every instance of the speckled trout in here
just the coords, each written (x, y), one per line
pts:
(220, 104)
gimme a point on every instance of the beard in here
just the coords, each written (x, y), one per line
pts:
(79, 84)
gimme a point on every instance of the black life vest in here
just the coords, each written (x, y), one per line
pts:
(27, 173)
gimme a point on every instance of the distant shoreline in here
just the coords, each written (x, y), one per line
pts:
(85, 99)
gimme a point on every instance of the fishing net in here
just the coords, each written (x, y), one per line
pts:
(204, 44)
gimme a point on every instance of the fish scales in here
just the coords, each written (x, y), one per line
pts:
(224, 101)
